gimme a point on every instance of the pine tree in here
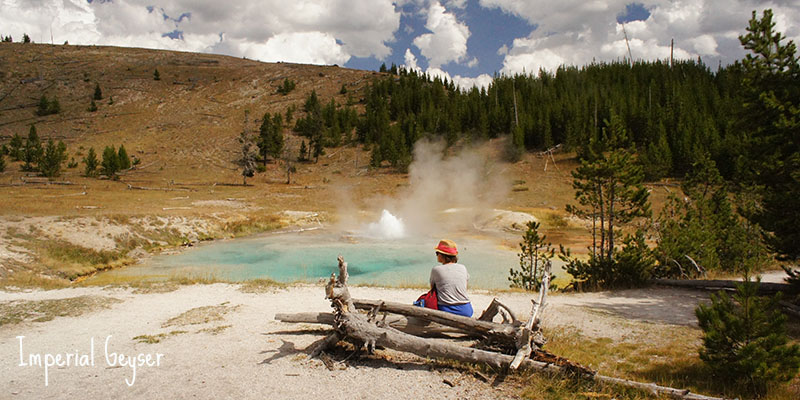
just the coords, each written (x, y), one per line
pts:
(247, 157)
(98, 94)
(534, 258)
(156, 75)
(26, 38)
(2, 162)
(744, 339)
(110, 164)
(92, 106)
(287, 86)
(270, 138)
(610, 193)
(91, 162)
(303, 156)
(289, 114)
(276, 142)
(55, 106)
(32, 151)
(122, 158)
(770, 115)
(49, 164)
(44, 106)
(15, 147)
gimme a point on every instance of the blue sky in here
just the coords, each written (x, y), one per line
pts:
(464, 40)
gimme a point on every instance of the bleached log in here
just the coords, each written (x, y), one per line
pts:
(525, 337)
(496, 307)
(413, 326)
(307, 317)
(320, 346)
(356, 326)
(336, 289)
(653, 388)
(503, 333)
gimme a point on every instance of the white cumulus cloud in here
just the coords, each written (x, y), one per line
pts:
(448, 40)
(321, 32)
(577, 32)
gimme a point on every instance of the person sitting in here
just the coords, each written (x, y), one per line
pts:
(449, 280)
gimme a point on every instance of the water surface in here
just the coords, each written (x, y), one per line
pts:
(311, 257)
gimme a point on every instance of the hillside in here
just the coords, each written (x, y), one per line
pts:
(184, 129)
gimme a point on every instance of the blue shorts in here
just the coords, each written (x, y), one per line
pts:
(458, 309)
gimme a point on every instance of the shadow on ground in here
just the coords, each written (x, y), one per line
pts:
(663, 305)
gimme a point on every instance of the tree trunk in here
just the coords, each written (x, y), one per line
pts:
(413, 326)
(502, 333)
(602, 221)
(611, 222)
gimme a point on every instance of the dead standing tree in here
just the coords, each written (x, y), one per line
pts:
(367, 330)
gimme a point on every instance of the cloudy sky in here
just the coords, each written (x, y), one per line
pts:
(465, 40)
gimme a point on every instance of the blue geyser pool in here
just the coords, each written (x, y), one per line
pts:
(311, 256)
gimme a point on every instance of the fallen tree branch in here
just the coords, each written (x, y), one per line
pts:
(320, 346)
(357, 327)
(131, 187)
(496, 307)
(366, 331)
(503, 333)
(413, 326)
(525, 337)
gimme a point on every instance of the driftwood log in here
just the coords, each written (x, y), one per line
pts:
(369, 331)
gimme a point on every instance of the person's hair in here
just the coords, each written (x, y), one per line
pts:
(448, 258)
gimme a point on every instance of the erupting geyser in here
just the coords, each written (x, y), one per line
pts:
(388, 227)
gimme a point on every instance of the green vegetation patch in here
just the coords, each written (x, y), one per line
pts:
(252, 225)
(260, 285)
(200, 315)
(216, 330)
(18, 311)
(151, 339)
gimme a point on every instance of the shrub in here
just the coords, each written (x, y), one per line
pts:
(631, 266)
(288, 86)
(47, 106)
(534, 258)
(744, 340)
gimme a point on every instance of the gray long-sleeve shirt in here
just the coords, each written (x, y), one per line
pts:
(451, 283)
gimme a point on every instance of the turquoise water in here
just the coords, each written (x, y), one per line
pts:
(311, 256)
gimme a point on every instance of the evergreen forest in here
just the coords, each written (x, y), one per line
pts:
(674, 112)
